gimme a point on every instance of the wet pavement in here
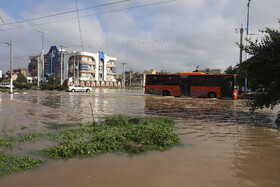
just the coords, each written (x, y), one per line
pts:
(222, 143)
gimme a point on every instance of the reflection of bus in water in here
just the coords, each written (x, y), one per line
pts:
(193, 84)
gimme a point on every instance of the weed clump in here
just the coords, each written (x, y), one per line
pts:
(111, 134)
(7, 141)
(12, 163)
(115, 134)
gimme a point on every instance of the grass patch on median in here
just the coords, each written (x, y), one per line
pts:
(111, 134)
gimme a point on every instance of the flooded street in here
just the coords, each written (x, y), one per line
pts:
(222, 143)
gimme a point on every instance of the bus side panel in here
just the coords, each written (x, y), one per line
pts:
(202, 91)
(158, 89)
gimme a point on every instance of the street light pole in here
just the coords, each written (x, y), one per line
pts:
(43, 54)
(11, 63)
(247, 32)
(61, 61)
(130, 78)
(38, 73)
(124, 74)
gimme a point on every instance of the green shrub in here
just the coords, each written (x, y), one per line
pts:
(22, 85)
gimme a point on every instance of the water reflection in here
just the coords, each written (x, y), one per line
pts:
(206, 110)
(222, 143)
(257, 154)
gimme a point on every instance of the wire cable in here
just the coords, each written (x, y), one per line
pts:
(161, 39)
(62, 13)
(79, 24)
(89, 15)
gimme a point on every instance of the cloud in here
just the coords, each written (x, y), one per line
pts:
(211, 49)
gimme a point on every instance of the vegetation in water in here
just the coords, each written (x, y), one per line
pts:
(112, 134)
(12, 163)
(7, 141)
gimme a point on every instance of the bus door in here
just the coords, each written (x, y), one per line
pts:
(227, 86)
(184, 85)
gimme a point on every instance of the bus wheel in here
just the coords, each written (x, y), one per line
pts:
(212, 95)
(166, 93)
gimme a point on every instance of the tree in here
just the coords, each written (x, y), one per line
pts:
(53, 79)
(21, 79)
(231, 70)
(263, 69)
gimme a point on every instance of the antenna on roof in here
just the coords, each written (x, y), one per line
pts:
(196, 69)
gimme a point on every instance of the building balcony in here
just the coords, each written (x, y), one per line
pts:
(111, 65)
(82, 61)
(87, 71)
(91, 63)
(110, 73)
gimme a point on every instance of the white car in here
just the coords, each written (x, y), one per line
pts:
(79, 88)
(5, 85)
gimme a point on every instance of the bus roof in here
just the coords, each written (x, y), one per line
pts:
(190, 73)
(200, 73)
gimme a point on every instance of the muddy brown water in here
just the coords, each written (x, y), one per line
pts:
(222, 143)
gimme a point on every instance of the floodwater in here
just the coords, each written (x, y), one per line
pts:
(222, 143)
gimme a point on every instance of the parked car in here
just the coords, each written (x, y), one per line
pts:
(79, 88)
(5, 85)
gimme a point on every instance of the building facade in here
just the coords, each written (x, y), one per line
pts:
(76, 67)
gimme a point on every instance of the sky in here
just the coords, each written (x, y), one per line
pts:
(168, 35)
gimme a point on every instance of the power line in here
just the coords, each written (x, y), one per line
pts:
(62, 13)
(161, 39)
(79, 24)
(94, 14)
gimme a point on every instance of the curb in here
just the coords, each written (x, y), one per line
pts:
(16, 93)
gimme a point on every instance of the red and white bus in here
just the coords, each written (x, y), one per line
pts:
(192, 84)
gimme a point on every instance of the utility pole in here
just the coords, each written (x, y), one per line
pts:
(141, 81)
(38, 72)
(130, 78)
(43, 55)
(241, 43)
(11, 66)
(61, 61)
(279, 22)
(11, 63)
(78, 72)
(248, 16)
(124, 74)
(74, 69)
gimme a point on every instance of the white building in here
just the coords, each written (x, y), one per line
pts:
(78, 67)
